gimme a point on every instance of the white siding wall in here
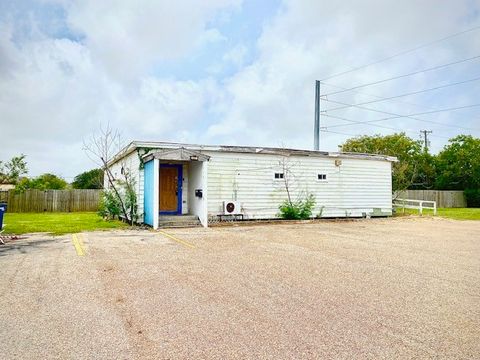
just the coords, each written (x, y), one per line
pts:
(198, 180)
(357, 186)
(131, 162)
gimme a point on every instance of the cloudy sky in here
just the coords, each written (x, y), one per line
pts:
(229, 72)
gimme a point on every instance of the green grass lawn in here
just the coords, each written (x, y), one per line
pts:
(56, 223)
(451, 213)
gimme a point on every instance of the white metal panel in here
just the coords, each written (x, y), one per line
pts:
(198, 206)
(140, 194)
(357, 186)
(131, 162)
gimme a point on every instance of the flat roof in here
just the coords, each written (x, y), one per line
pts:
(247, 149)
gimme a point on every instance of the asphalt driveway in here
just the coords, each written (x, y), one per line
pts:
(391, 288)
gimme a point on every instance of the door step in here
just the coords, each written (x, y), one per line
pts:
(170, 221)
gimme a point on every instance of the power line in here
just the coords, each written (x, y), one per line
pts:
(336, 132)
(356, 122)
(410, 116)
(407, 94)
(378, 97)
(325, 129)
(375, 96)
(449, 109)
(404, 75)
(400, 116)
(403, 52)
(390, 113)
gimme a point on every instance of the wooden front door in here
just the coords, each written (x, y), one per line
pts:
(169, 190)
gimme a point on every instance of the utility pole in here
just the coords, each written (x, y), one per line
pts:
(426, 141)
(316, 130)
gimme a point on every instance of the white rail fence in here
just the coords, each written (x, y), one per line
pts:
(416, 204)
(444, 198)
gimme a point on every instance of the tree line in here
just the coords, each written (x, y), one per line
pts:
(455, 167)
(15, 170)
(119, 199)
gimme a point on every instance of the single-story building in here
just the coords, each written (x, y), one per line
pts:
(246, 182)
(6, 187)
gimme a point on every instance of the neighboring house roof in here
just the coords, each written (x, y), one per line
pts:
(244, 149)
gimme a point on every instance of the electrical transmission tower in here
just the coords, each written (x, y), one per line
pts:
(426, 141)
(316, 131)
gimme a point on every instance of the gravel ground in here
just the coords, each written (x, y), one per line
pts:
(386, 288)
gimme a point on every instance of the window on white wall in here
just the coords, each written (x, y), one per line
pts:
(322, 177)
(278, 176)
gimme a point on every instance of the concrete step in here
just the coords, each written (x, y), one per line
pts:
(179, 225)
(178, 218)
(176, 221)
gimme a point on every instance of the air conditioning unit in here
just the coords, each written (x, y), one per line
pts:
(231, 208)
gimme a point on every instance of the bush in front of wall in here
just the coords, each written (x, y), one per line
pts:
(473, 197)
(109, 207)
(301, 209)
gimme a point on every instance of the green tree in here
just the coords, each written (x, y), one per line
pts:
(92, 179)
(42, 182)
(408, 152)
(11, 171)
(458, 164)
(426, 172)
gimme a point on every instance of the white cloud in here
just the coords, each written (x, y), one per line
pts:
(165, 107)
(233, 58)
(272, 100)
(211, 36)
(54, 92)
(236, 55)
(129, 36)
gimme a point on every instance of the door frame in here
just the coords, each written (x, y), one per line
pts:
(179, 168)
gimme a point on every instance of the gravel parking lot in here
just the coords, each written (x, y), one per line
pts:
(385, 288)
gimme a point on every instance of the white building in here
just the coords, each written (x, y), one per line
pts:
(201, 180)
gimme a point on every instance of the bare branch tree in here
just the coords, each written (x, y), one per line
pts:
(286, 170)
(100, 148)
(303, 205)
(288, 173)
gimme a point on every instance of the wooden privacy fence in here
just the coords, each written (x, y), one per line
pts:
(52, 200)
(444, 198)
